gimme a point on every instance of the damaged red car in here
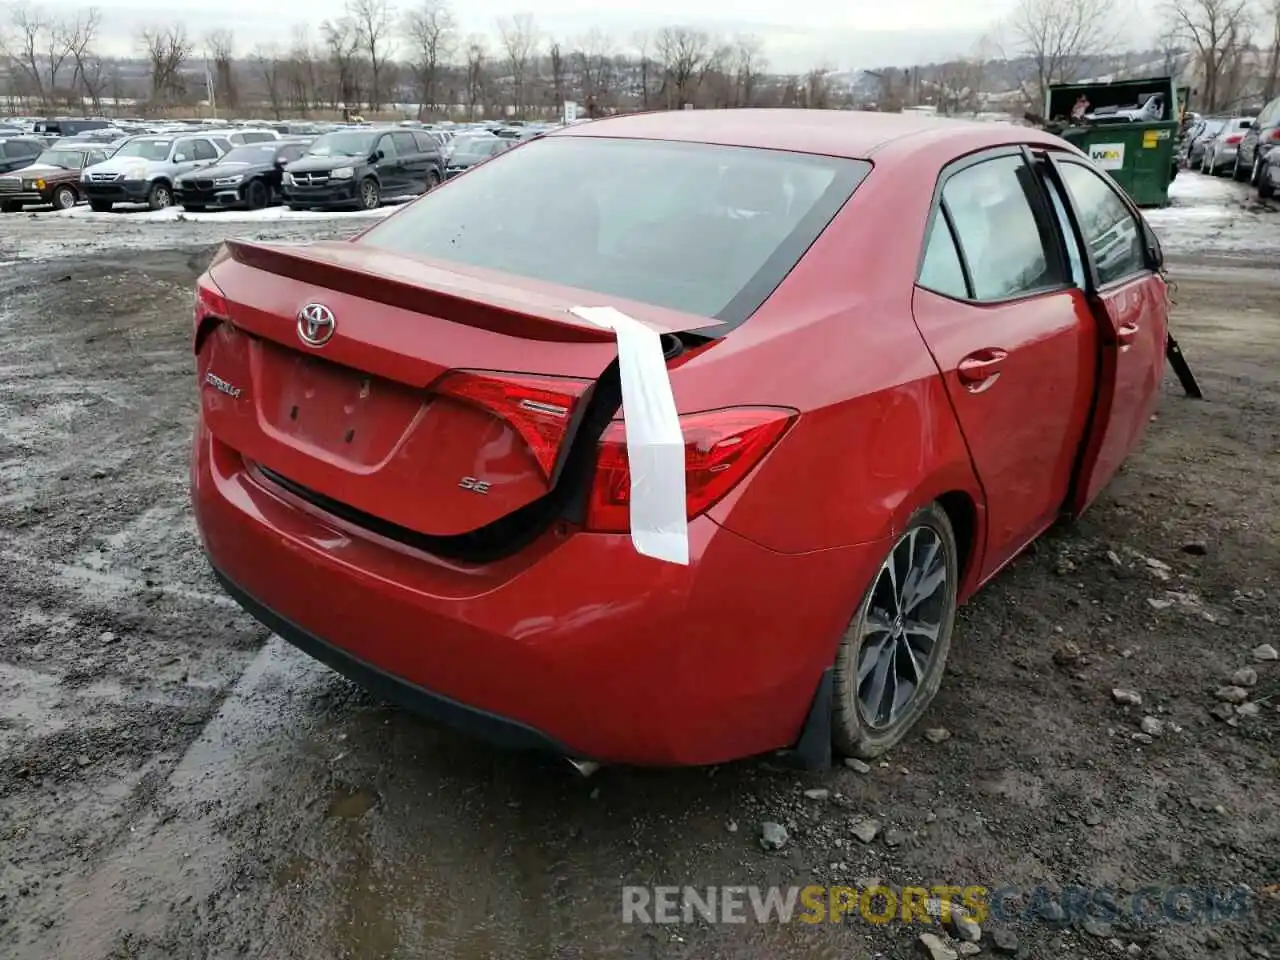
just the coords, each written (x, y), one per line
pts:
(899, 348)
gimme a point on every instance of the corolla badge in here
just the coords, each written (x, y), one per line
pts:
(222, 386)
(316, 324)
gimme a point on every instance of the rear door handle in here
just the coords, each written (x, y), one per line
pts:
(980, 369)
(1126, 333)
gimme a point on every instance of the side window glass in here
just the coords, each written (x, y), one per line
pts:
(183, 150)
(1068, 235)
(405, 144)
(998, 231)
(388, 148)
(941, 271)
(205, 150)
(1111, 231)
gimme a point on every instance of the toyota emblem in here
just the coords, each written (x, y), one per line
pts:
(316, 324)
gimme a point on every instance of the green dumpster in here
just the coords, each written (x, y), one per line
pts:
(1129, 128)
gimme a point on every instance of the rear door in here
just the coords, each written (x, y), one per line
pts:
(1013, 339)
(390, 167)
(1129, 300)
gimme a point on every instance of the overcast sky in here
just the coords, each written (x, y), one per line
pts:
(844, 34)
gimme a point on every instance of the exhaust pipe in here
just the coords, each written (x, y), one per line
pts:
(584, 767)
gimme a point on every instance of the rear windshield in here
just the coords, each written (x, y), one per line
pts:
(708, 230)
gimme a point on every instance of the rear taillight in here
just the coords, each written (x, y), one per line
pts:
(538, 408)
(1235, 138)
(1273, 135)
(721, 448)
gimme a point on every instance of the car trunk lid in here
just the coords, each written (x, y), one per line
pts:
(440, 399)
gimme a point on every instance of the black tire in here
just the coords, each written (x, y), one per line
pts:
(854, 732)
(1266, 189)
(194, 207)
(294, 207)
(100, 206)
(1256, 169)
(8, 206)
(256, 195)
(1237, 174)
(64, 198)
(433, 180)
(159, 196)
(370, 194)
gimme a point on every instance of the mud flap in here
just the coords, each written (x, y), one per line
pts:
(812, 751)
(1173, 353)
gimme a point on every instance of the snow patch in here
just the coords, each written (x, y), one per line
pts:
(126, 214)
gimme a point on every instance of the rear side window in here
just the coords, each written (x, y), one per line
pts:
(405, 144)
(205, 150)
(426, 142)
(1004, 245)
(1113, 234)
(708, 230)
(257, 137)
(941, 271)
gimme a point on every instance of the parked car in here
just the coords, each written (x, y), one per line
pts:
(411, 458)
(18, 152)
(1199, 137)
(248, 177)
(473, 151)
(53, 177)
(1258, 141)
(143, 169)
(1269, 175)
(68, 126)
(361, 168)
(1220, 152)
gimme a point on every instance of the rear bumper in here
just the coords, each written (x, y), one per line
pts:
(578, 645)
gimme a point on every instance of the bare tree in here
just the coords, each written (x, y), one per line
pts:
(748, 63)
(302, 75)
(519, 36)
(644, 44)
(1171, 44)
(592, 59)
(1271, 80)
(87, 70)
(274, 73)
(1058, 35)
(168, 49)
(817, 88)
(374, 28)
(30, 31)
(1218, 34)
(342, 43)
(682, 52)
(219, 47)
(477, 61)
(556, 61)
(432, 31)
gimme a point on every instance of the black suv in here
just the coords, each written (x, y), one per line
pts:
(1259, 140)
(361, 168)
(248, 177)
(18, 152)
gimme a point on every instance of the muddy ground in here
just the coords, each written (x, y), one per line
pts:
(176, 784)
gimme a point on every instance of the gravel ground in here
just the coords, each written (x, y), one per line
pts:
(176, 784)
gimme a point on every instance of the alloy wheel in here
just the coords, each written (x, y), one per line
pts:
(906, 612)
(369, 194)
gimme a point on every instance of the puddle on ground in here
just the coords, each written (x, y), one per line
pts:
(351, 803)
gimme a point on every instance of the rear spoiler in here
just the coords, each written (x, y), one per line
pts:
(470, 296)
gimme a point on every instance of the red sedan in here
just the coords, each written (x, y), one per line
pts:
(899, 348)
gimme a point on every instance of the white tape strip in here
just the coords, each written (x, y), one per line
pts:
(655, 445)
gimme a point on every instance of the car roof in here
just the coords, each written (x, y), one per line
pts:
(840, 133)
